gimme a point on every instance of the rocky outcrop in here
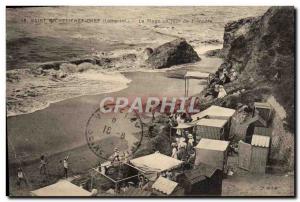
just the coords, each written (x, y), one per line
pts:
(262, 50)
(236, 34)
(172, 53)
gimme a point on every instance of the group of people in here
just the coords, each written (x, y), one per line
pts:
(183, 148)
(43, 169)
(177, 118)
(117, 157)
(43, 165)
(225, 74)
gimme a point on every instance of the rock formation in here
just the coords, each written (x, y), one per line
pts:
(262, 50)
(172, 53)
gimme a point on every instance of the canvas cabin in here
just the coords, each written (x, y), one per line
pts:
(203, 180)
(264, 111)
(260, 151)
(213, 153)
(211, 129)
(254, 156)
(215, 112)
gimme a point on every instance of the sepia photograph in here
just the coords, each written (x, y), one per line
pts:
(150, 101)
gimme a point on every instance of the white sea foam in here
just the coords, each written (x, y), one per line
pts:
(91, 82)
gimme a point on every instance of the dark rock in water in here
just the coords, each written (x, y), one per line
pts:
(215, 53)
(80, 61)
(212, 42)
(50, 65)
(12, 77)
(173, 53)
(130, 57)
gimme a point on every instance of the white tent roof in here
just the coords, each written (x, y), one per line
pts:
(164, 185)
(155, 162)
(219, 123)
(196, 75)
(61, 188)
(210, 144)
(214, 111)
(184, 125)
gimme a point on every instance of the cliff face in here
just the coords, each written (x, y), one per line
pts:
(262, 50)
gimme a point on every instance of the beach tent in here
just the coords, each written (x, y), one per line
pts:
(265, 112)
(155, 163)
(165, 187)
(212, 152)
(211, 129)
(61, 188)
(202, 180)
(192, 75)
(254, 156)
(259, 156)
(214, 112)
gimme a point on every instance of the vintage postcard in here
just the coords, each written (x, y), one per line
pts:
(150, 101)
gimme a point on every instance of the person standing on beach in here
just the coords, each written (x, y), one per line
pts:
(179, 121)
(43, 163)
(190, 144)
(174, 150)
(116, 156)
(20, 177)
(66, 166)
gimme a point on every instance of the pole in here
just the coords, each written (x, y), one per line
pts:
(187, 89)
(184, 86)
(92, 181)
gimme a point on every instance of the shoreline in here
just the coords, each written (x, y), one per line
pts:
(42, 104)
(64, 99)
